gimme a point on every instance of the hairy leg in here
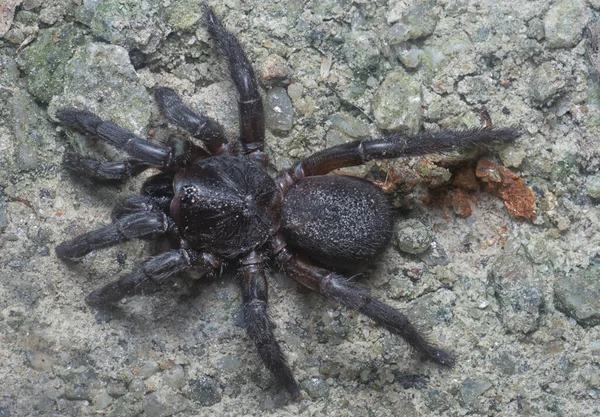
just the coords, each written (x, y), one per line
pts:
(252, 117)
(199, 126)
(337, 287)
(145, 151)
(393, 146)
(258, 324)
(157, 269)
(137, 225)
(104, 170)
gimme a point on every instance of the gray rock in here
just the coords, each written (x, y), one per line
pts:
(101, 79)
(592, 186)
(349, 125)
(397, 104)
(205, 391)
(577, 294)
(505, 363)
(44, 61)
(362, 52)
(163, 403)
(412, 236)
(101, 401)
(279, 113)
(471, 389)
(437, 400)
(174, 377)
(274, 71)
(564, 23)
(518, 290)
(126, 406)
(116, 389)
(315, 387)
(148, 369)
(408, 54)
(131, 23)
(184, 14)
(418, 20)
(547, 84)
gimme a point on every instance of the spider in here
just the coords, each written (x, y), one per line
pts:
(217, 204)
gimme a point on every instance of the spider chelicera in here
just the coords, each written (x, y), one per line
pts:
(216, 203)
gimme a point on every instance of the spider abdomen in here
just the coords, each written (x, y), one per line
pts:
(339, 221)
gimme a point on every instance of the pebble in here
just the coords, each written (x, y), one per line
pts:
(164, 403)
(174, 377)
(275, 71)
(315, 388)
(205, 391)
(547, 84)
(518, 290)
(397, 103)
(148, 369)
(577, 294)
(564, 23)
(279, 113)
(471, 389)
(412, 236)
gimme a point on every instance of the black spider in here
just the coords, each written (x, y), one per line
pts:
(217, 207)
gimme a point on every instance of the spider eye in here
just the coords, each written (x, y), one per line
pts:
(189, 194)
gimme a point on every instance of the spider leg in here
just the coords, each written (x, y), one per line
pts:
(158, 190)
(137, 225)
(104, 170)
(199, 126)
(335, 286)
(259, 326)
(252, 117)
(157, 269)
(393, 146)
(152, 154)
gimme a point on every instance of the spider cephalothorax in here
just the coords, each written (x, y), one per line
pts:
(218, 206)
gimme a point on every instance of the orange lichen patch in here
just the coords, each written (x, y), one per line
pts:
(461, 203)
(465, 180)
(517, 196)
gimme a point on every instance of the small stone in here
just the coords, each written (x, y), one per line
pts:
(45, 60)
(518, 291)
(564, 23)
(101, 401)
(174, 377)
(362, 52)
(316, 388)
(116, 389)
(409, 55)
(417, 20)
(547, 84)
(205, 391)
(577, 294)
(505, 363)
(131, 24)
(349, 125)
(471, 389)
(40, 361)
(164, 403)
(437, 400)
(592, 186)
(279, 112)
(137, 387)
(412, 236)
(275, 71)
(148, 369)
(397, 104)
(184, 14)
